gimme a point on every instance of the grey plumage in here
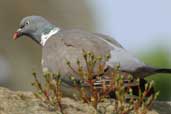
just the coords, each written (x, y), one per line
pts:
(68, 44)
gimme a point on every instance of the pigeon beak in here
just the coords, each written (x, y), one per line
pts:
(17, 34)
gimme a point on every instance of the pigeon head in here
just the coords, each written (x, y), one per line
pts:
(34, 27)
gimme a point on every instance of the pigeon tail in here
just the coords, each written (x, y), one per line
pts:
(163, 70)
(149, 70)
(155, 70)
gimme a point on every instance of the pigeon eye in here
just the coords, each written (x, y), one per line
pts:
(27, 23)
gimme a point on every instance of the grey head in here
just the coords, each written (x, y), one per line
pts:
(33, 27)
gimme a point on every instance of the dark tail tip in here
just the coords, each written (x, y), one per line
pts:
(163, 70)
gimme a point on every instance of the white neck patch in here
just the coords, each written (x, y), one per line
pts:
(45, 37)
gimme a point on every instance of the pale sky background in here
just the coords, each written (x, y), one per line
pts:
(136, 24)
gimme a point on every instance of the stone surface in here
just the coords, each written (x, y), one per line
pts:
(17, 102)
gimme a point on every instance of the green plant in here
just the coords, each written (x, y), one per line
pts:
(89, 77)
(95, 85)
(101, 83)
(50, 93)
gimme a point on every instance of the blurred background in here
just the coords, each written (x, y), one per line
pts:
(142, 27)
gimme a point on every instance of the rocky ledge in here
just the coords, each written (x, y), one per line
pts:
(17, 102)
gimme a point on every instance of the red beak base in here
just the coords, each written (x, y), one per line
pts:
(15, 35)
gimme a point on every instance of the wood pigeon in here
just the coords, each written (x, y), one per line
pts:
(59, 45)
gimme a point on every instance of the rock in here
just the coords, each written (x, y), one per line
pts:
(157, 108)
(20, 103)
(12, 102)
(75, 107)
(17, 102)
(162, 107)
